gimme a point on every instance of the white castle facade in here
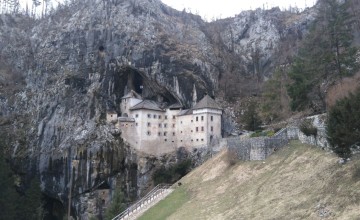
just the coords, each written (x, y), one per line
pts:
(154, 129)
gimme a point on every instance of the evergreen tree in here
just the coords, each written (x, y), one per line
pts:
(325, 54)
(343, 125)
(30, 204)
(275, 100)
(8, 194)
(251, 118)
(117, 205)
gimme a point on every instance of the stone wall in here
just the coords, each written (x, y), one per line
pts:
(259, 148)
(320, 139)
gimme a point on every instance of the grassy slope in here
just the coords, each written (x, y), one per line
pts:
(297, 182)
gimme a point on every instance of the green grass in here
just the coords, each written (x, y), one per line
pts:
(168, 206)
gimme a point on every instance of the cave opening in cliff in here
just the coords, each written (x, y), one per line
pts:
(137, 82)
(147, 87)
(53, 208)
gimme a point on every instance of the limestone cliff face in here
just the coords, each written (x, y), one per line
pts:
(61, 74)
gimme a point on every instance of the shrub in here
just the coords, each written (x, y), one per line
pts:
(173, 173)
(343, 124)
(231, 157)
(308, 128)
(262, 134)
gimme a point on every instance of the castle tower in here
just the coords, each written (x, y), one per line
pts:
(128, 101)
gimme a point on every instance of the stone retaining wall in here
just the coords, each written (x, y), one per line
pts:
(259, 148)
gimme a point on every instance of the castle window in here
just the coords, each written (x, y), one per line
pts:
(173, 125)
(159, 125)
(180, 122)
(202, 139)
(173, 116)
(165, 116)
(159, 133)
(165, 125)
(197, 129)
(192, 140)
(165, 133)
(148, 124)
(197, 139)
(180, 140)
(154, 116)
(165, 140)
(197, 118)
(202, 128)
(136, 124)
(192, 121)
(149, 133)
(191, 130)
(149, 116)
(202, 118)
(159, 116)
(181, 132)
(211, 128)
(212, 118)
(137, 115)
(173, 133)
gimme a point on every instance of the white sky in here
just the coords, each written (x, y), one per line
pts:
(209, 9)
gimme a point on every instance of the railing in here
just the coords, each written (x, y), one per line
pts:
(147, 199)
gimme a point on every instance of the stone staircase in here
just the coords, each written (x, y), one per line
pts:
(146, 202)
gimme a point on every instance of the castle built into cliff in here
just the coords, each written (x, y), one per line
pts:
(153, 128)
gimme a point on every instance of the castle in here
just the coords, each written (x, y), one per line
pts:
(155, 129)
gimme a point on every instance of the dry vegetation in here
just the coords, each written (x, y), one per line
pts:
(298, 182)
(342, 89)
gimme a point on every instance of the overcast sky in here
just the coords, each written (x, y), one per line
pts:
(226, 8)
(209, 9)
